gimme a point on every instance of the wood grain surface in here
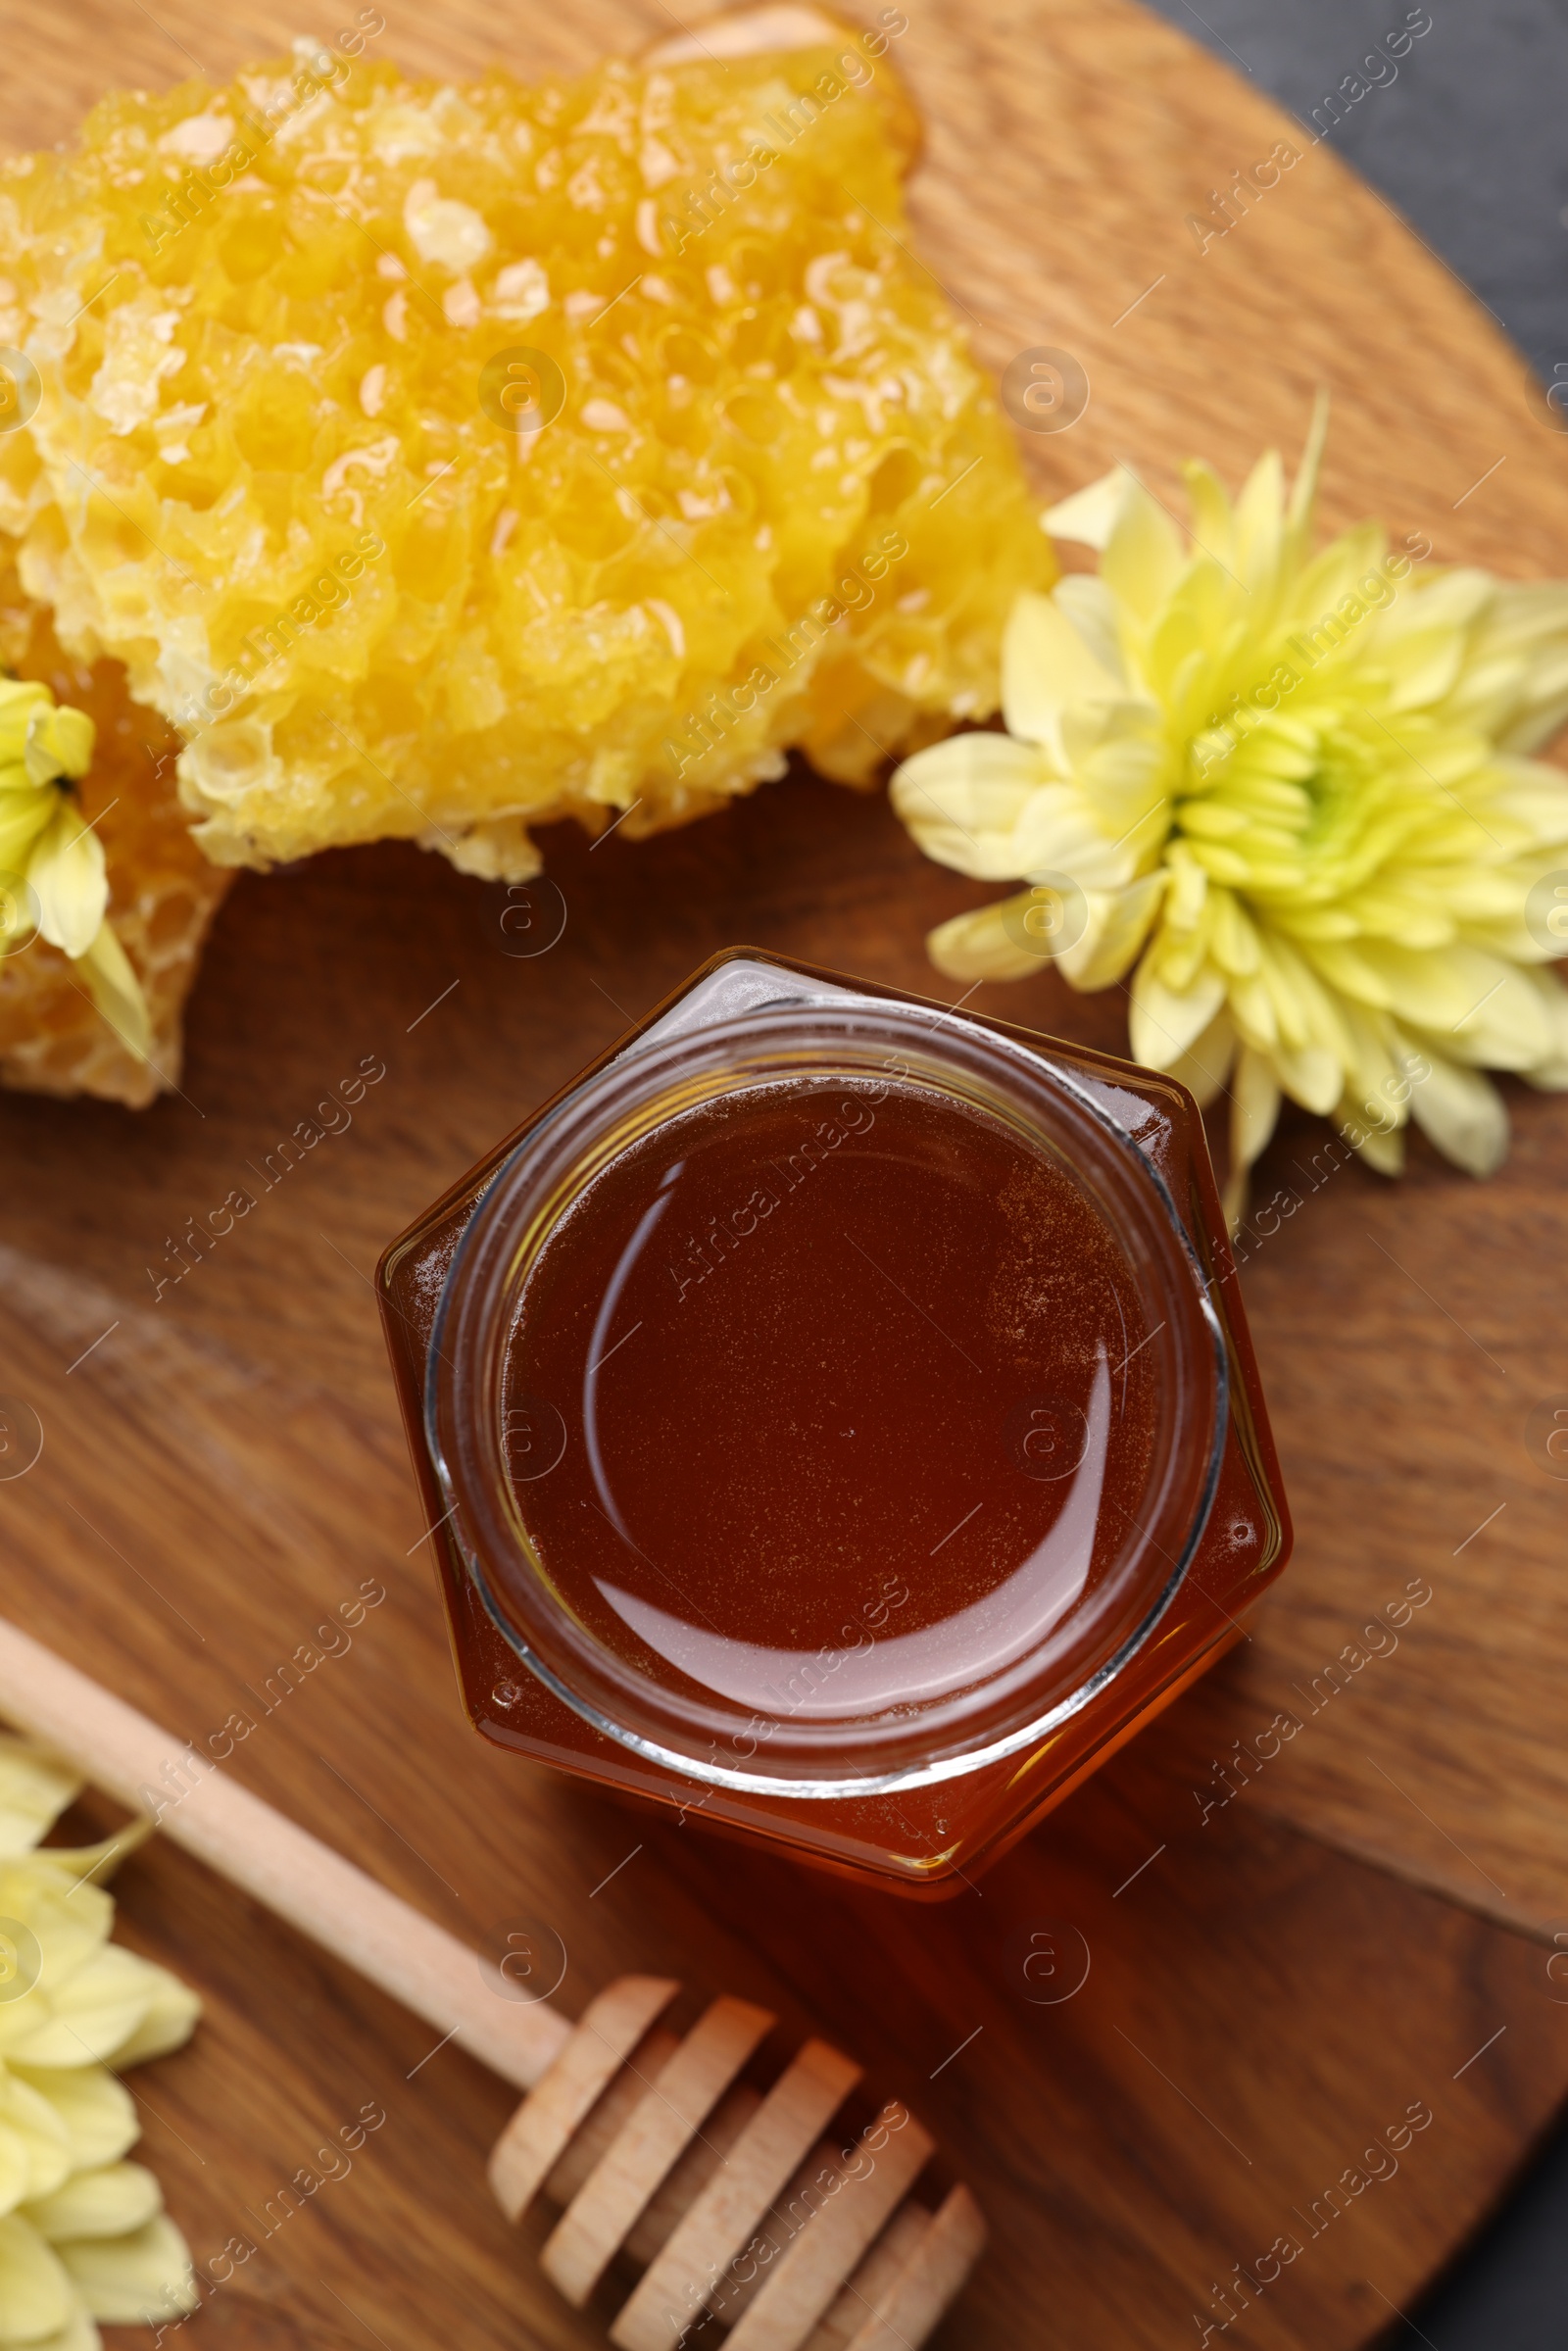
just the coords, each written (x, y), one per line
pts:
(1270, 1986)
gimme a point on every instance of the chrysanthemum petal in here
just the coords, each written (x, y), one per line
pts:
(1536, 797)
(24, 817)
(1382, 1148)
(1119, 922)
(34, 2150)
(1114, 752)
(1421, 665)
(1254, 1104)
(1187, 901)
(1223, 865)
(20, 698)
(1252, 1001)
(59, 742)
(1214, 520)
(171, 2017)
(1166, 1024)
(79, 2333)
(66, 872)
(1326, 609)
(110, 2201)
(37, 2292)
(1233, 940)
(1401, 912)
(116, 990)
(15, 2169)
(979, 946)
(1089, 517)
(1550, 1072)
(92, 2014)
(97, 2111)
(1046, 668)
(1205, 1065)
(135, 2279)
(1144, 557)
(965, 801)
(1260, 525)
(1453, 599)
(1090, 606)
(1462, 1113)
(35, 1790)
(1375, 1056)
(1529, 618)
(1443, 993)
(1310, 1076)
(1499, 1019)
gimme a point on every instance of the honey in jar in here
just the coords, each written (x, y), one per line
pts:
(842, 1420)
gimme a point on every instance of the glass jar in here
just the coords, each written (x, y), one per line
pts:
(837, 1419)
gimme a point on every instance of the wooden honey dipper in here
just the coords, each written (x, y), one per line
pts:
(653, 2145)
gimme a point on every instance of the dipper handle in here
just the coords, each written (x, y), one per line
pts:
(287, 1870)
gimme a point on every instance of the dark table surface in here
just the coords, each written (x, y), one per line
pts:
(1467, 134)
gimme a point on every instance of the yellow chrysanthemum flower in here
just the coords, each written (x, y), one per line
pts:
(84, 2235)
(52, 878)
(1299, 787)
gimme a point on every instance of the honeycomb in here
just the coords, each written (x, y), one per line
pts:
(163, 892)
(745, 487)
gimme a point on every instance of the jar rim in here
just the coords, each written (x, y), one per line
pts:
(654, 1080)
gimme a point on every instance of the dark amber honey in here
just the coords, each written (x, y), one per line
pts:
(808, 1361)
(835, 1455)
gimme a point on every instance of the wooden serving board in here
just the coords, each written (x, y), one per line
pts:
(1271, 1985)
